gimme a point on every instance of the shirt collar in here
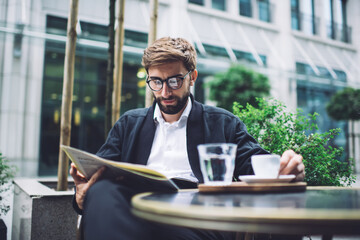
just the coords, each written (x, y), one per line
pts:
(159, 118)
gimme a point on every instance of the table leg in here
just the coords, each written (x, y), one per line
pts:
(326, 237)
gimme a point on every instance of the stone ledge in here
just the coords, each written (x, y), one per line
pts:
(40, 212)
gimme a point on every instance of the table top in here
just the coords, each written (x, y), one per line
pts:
(318, 210)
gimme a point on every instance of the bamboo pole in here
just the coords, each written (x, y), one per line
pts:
(68, 85)
(151, 38)
(118, 72)
(110, 69)
(353, 139)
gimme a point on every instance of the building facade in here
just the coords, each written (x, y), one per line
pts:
(309, 49)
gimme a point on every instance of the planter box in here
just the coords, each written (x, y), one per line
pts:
(3, 230)
(40, 212)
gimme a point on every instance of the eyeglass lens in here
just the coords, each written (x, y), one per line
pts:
(173, 83)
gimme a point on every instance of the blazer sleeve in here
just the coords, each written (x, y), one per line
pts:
(247, 146)
(111, 149)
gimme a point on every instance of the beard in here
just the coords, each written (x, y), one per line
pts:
(169, 109)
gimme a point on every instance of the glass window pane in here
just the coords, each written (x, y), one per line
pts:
(247, 56)
(304, 68)
(245, 8)
(198, 2)
(338, 10)
(342, 30)
(295, 15)
(328, 15)
(135, 39)
(311, 98)
(264, 10)
(94, 31)
(218, 4)
(56, 25)
(216, 51)
(308, 17)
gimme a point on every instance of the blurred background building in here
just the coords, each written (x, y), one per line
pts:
(309, 49)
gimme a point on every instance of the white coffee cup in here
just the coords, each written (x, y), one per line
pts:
(266, 165)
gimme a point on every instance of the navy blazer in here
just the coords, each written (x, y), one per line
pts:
(130, 139)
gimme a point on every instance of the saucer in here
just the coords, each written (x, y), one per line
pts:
(255, 179)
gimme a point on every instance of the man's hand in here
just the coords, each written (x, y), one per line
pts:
(82, 184)
(291, 163)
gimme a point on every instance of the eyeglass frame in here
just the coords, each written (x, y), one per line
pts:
(167, 81)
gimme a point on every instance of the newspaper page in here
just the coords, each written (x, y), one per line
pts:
(88, 164)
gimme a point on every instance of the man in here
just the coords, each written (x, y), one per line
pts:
(164, 137)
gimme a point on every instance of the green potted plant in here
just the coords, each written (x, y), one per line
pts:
(6, 175)
(238, 84)
(277, 129)
(345, 105)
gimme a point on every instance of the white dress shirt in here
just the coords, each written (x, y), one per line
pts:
(169, 151)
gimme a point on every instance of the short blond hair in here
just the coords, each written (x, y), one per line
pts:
(167, 50)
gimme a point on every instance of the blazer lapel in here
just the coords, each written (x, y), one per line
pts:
(145, 138)
(195, 136)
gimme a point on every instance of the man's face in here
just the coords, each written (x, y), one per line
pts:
(172, 101)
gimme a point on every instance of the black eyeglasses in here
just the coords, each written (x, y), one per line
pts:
(156, 84)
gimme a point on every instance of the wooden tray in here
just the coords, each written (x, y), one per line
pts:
(254, 187)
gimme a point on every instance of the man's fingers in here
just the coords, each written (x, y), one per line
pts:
(96, 176)
(292, 165)
(301, 172)
(72, 168)
(301, 167)
(76, 175)
(82, 184)
(285, 159)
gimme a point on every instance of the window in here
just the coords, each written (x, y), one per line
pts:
(295, 15)
(313, 97)
(88, 102)
(87, 130)
(337, 29)
(308, 17)
(218, 4)
(329, 16)
(304, 21)
(94, 31)
(197, 2)
(341, 75)
(135, 39)
(215, 51)
(264, 10)
(304, 68)
(245, 8)
(241, 55)
(18, 37)
(342, 30)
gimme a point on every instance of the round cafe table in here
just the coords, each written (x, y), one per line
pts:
(323, 211)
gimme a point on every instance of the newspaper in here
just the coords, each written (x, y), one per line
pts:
(88, 164)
